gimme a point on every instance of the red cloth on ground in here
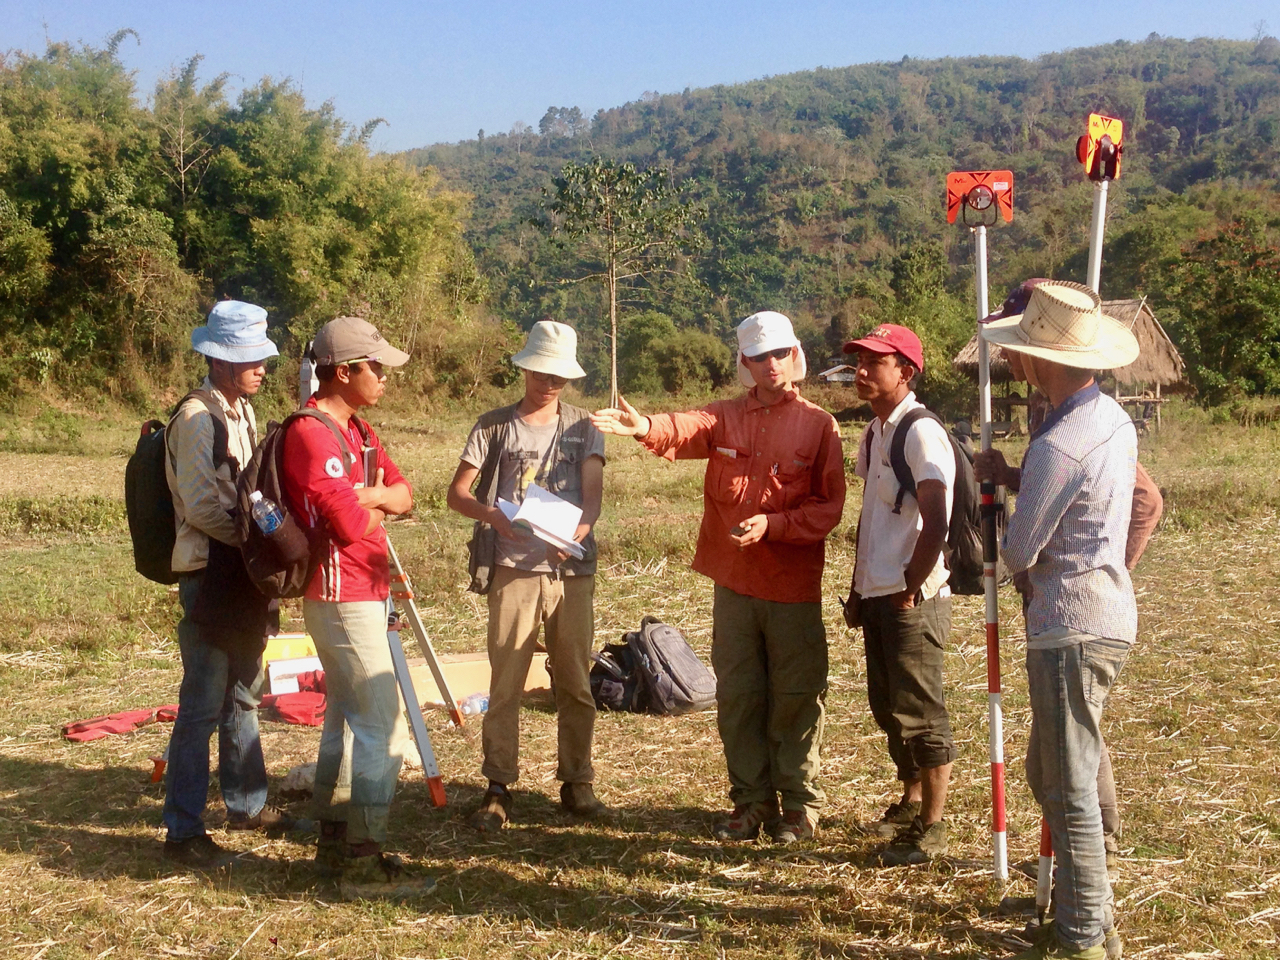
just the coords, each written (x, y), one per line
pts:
(167, 714)
(95, 728)
(312, 680)
(305, 708)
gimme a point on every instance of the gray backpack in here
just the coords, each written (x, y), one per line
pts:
(672, 678)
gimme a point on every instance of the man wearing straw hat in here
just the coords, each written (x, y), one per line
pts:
(530, 583)
(1069, 533)
(774, 489)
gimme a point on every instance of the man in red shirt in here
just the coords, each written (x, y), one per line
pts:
(774, 489)
(326, 488)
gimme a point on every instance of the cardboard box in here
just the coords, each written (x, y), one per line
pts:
(468, 673)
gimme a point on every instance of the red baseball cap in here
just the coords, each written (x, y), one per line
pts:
(891, 338)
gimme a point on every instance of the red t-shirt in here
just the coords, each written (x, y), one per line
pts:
(317, 487)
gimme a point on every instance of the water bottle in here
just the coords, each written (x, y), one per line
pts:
(474, 704)
(265, 513)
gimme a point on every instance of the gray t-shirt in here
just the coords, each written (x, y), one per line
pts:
(525, 459)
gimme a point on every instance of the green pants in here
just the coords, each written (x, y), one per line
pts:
(770, 661)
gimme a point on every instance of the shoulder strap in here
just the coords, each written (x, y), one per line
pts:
(220, 438)
(898, 453)
(314, 414)
(487, 488)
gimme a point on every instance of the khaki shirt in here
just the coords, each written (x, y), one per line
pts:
(203, 497)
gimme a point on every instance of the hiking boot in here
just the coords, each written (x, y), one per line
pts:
(331, 848)
(199, 853)
(745, 821)
(1050, 948)
(897, 816)
(916, 843)
(1112, 946)
(580, 799)
(794, 827)
(494, 810)
(1112, 845)
(379, 875)
(272, 821)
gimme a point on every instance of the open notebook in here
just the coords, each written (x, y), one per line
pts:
(548, 517)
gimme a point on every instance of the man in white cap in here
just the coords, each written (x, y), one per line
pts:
(341, 485)
(1068, 534)
(530, 584)
(210, 436)
(774, 489)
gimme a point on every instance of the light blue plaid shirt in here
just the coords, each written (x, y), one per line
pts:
(1072, 518)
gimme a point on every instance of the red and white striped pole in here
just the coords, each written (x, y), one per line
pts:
(1044, 872)
(995, 710)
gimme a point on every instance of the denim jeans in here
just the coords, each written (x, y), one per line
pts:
(1068, 686)
(212, 696)
(364, 709)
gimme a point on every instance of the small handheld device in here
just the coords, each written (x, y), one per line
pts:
(1100, 148)
(980, 196)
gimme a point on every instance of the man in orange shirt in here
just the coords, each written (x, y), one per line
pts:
(774, 489)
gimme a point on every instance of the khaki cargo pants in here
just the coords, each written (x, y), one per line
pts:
(770, 661)
(519, 603)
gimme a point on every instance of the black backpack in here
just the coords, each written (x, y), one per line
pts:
(148, 502)
(283, 564)
(963, 551)
(615, 682)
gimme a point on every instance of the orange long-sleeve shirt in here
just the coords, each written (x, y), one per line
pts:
(784, 461)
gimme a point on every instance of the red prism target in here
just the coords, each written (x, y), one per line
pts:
(979, 196)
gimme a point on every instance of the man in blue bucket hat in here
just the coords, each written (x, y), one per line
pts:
(211, 435)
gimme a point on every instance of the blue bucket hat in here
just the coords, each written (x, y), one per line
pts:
(235, 332)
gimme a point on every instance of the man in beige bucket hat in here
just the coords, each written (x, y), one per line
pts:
(530, 584)
(1068, 534)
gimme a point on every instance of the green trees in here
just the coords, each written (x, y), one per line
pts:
(119, 225)
(625, 225)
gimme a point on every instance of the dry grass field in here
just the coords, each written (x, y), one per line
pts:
(1194, 728)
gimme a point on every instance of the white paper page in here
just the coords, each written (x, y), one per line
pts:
(551, 519)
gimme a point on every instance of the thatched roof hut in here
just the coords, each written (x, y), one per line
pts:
(1159, 362)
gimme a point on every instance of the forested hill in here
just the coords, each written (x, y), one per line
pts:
(824, 189)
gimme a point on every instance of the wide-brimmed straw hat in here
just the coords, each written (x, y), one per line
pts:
(552, 348)
(234, 331)
(1064, 322)
(765, 331)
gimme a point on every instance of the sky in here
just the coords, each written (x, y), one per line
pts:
(439, 72)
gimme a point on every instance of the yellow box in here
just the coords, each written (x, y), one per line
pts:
(288, 646)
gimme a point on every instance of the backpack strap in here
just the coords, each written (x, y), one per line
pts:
(221, 453)
(314, 414)
(898, 452)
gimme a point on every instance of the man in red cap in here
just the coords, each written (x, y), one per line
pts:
(900, 596)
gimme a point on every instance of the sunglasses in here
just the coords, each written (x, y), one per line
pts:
(549, 378)
(780, 354)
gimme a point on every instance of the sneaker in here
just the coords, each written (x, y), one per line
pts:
(331, 848)
(745, 821)
(272, 821)
(199, 853)
(794, 827)
(381, 876)
(581, 799)
(897, 816)
(1112, 946)
(916, 843)
(494, 810)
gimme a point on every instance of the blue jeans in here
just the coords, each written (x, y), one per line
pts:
(212, 696)
(1068, 686)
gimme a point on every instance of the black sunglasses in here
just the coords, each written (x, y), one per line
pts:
(780, 354)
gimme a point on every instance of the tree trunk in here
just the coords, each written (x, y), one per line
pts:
(613, 330)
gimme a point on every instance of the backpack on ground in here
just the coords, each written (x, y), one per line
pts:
(282, 564)
(673, 680)
(615, 682)
(148, 501)
(963, 550)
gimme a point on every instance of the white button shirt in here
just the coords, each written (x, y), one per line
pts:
(886, 539)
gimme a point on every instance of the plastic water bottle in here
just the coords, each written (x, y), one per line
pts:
(474, 704)
(265, 513)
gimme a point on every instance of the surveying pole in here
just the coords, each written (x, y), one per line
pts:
(1099, 150)
(981, 198)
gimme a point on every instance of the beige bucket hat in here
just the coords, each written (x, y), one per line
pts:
(1064, 322)
(551, 348)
